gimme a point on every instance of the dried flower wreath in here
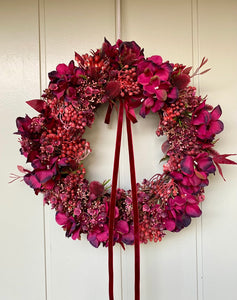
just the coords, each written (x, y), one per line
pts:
(53, 143)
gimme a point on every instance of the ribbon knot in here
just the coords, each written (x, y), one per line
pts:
(130, 117)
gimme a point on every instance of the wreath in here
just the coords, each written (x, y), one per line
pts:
(54, 145)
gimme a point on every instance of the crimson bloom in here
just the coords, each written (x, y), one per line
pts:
(208, 123)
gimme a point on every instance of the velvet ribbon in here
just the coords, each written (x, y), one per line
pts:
(130, 116)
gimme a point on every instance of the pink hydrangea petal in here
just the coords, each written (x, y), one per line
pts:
(193, 210)
(161, 94)
(177, 175)
(122, 227)
(150, 89)
(163, 73)
(195, 180)
(149, 102)
(158, 105)
(32, 181)
(76, 234)
(203, 133)
(61, 218)
(203, 118)
(170, 225)
(62, 69)
(206, 165)
(216, 127)
(143, 79)
(156, 59)
(216, 113)
(187, 165)
(173, 94)
(179, 201)
(44, 175)
(103, 236)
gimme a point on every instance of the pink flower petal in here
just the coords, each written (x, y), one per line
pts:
(216, 127)
(44, 175)
(193, 210)
(156, 59)
(170, 225)
(32, 181)
(216, 113)
(187, 165)
(203, 118)
(122, 227)
(61, 218)
(161, 94)
(144, 79)
(173, 94)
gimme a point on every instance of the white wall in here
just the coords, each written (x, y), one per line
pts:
(36, 260)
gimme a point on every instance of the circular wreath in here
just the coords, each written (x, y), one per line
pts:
(53, 143)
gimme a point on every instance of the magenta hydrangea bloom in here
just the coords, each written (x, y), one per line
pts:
(208, 123)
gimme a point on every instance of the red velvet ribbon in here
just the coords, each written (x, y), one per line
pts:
(129, 117)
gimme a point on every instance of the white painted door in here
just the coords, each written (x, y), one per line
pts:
(37, 261)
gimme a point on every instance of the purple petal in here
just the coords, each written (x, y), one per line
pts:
(216, 126)
(128, 238)
(44, 175)
(193, 210)
(91, 237)
(206, 165)
(195, 180)
(61, 219)
(122, 227)
(177, 176)
(216, 113)
(187, 165)
(32, 181)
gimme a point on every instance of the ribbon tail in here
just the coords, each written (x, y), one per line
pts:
(135, 210)
(108, 113)
(113, 198)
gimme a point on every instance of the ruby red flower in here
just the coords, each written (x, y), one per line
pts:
(208, 123)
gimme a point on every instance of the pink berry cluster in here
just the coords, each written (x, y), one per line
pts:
(54, 145)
